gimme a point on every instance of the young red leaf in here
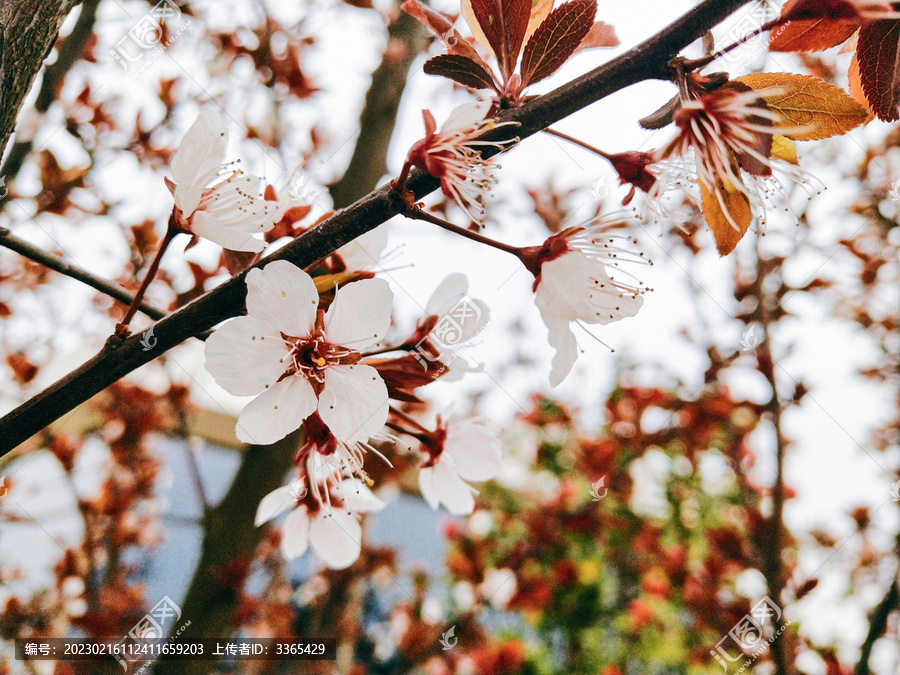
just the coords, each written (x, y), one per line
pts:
(877, 52)
(557, 39)
(797, 10)
(504, 23)
(600, 35)
(815, 32)
(460, 69)
(441, 26)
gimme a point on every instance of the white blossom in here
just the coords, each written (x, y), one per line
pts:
(467, 451)
(299, 359)
(213, 201)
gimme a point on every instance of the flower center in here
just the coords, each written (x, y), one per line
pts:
(312, 355)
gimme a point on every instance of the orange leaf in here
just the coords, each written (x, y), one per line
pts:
(600, 35)
(856, 90)
(728, 215)
(811, 35)
(540, 10)
(808, 108)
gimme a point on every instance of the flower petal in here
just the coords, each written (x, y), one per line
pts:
(284, 296)
(448, 293)
(475, 450)
(354, 402)
(358, 497)
(365, 251)
(426, 486)
(467, 115)
(273, 503)
(360, 314)
(295, 534)
(232, 238)
(244, 355)
(276, 412)
(562, 339)
(453, 491)
(198, 160)
(336, 538)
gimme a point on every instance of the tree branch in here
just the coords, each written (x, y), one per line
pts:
(646, 61)
(69, 53)
(28, 30)
(38, 255)
(878, 621)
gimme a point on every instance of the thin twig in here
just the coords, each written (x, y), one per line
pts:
(38, 255)
(419, 214)
(122, 326)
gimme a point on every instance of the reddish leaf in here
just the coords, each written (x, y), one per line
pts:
(832, 26)
(237, 261)
(404, 374)
(557, 39)
(460, 69)
(798, 10)
(23, 370)
(441, 26)
(504, 23)
(877, 52)
(600, 35)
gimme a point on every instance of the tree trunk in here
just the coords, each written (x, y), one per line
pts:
(28, 30)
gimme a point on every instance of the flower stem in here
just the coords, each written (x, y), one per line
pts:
(572, 139)
(419, 214)
(400, 183)
(695, 64)
(122, 326)
(396, 412)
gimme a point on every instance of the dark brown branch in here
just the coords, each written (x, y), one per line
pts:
(646, 61)
(28, 30)
(771, 548)
(69, 53)
(39, 255)
(878, 621)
